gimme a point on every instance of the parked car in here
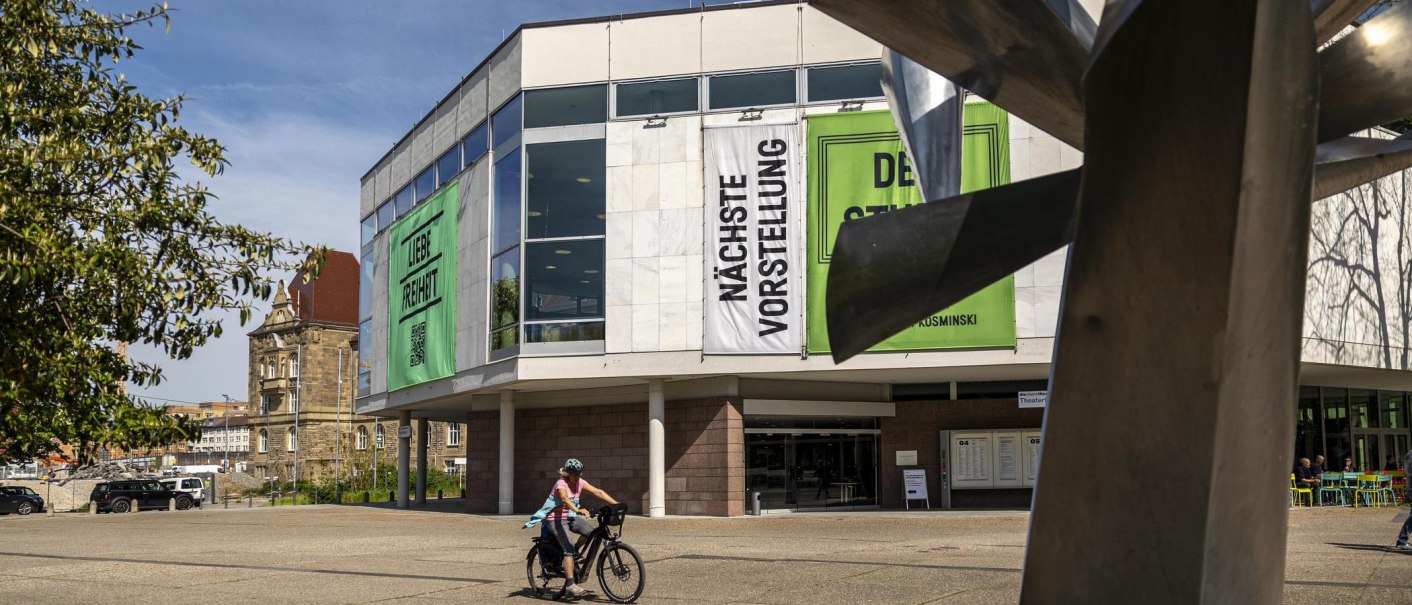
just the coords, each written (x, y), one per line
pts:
(191, 486)
(19, 500)
(121, 496)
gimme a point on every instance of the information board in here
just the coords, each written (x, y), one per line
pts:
(1033, 440)
(993, 459)
(1007, 460)
(971, 460)
(914, 486)
(906, 457)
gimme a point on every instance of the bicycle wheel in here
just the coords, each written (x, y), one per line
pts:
(539, 576)
(621, 573)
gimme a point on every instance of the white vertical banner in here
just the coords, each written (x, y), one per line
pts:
(754, 288)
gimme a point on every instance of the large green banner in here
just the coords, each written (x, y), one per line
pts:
(858, 167)
(421, 295)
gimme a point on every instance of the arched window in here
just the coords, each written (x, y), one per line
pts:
(379, 438)
(264, 441)
(292, 439)
(270, 367)
(362, 441)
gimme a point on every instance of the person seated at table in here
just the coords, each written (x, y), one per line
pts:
(1318, 467)
(1304, 474)
(1391, 464)
(1348, 466)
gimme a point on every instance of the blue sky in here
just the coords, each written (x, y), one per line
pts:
(306, 96)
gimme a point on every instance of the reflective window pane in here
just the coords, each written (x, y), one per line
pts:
(564, 280)
(385, 216)
(504, 339)
(370, 229)
(506, 231)
(448, 165)
(365, 358)
(566, 106)
(1362, 408)
(505, 124)
(425, 184)
(845, 82)
(403, 201)
(653, 98)
(365, 286)
(752, 90)
(565, 189)
(505, 289)
(474, 145)
(564, 332)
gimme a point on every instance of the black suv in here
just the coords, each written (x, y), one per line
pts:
(121, 496)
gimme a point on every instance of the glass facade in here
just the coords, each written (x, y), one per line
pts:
(752, 90)
(403, 201)
(566, 106)
(475, 145)
(448, 165)
(370, 229)
(656, 98)
(565, 192)
(564, 280)
(844, 82)
(384, 215)
(505, 124)
(425, 185)
(1365, 427)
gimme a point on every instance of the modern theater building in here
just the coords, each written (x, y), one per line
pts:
(610, 241)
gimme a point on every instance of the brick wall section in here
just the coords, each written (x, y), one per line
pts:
(917, 426)
(705, 455)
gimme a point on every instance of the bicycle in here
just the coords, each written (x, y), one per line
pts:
(618, 563)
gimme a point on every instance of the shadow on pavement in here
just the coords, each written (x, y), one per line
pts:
(1372, 547)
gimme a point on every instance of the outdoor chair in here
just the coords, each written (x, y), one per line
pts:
(1399, 485)
(1330, 487)
(1367, 492)
(1385, 491)
(1296, 492)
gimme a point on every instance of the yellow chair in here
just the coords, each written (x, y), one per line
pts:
(1368, 485)
(1296, 492)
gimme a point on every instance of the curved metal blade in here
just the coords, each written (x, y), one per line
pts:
(927, 110)
(1366, 76)
(891, 270)
(1331, 16)
(1017, 54)
(1352, 161)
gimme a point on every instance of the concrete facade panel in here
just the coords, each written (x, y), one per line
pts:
(422, 152)
(548, 60)
(472, 267)
(367, 201)
(470, 106)
(444, 130)
(732, 39)
(504, 74)
(826, 40)
(402, 167)
(650, 48)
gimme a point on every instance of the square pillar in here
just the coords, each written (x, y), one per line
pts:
(422, 433)
(404, 454)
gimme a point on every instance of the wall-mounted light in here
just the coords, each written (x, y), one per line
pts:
(584, 179)
(751, 114)
(851, 106)
(562, 252)
(655, 122)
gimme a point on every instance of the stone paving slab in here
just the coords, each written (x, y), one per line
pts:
(357, 554)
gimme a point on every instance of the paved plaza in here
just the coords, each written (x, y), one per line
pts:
(356, 554)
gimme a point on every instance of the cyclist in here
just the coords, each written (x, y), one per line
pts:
(567, 516)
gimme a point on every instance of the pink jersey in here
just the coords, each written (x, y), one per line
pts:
(561, 511)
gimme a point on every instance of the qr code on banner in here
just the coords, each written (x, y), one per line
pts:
(419, 344)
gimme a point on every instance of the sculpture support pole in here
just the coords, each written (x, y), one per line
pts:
(1167, 437)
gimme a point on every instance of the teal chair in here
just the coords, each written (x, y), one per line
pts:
(1385, 491)
(1331, 487)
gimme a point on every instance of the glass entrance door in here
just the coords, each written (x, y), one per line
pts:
(812, 470)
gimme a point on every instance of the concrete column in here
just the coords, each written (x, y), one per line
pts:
(507, 452)
(404, 455)
(422, 433)
(656, 450)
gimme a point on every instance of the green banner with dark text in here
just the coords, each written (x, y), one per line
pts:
(858, 167)
(421, 294)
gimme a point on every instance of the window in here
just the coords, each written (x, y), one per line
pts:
(370, 228)
(751, 90)
(425, 185)
(365, 286)
(291, 439)
(261, 366)
(564, 280)
(566, 106)
(656, 98)
(453, 434)
(294, 400)
(1362, 408)
(365, 358)
(361, 442)
(294, 366)
(474, 145)
(507, 202)
(378, 439)
(844, 82)
(448, 165)
(505, 300)
(265, 407)
(505, 123)
(403, 200)
(264, 441)
(565, 191)
(384, 215)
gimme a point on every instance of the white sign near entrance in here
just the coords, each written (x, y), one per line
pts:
(914, 486)
(1034, 399)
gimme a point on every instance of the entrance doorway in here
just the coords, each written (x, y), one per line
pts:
(1373, 448)
(800, 469)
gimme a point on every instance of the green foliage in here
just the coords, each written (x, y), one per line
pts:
(103, 239)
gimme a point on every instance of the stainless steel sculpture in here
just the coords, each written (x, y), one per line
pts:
(927, 110)
(1177, 358)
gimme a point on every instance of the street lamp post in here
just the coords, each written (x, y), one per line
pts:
(226, 435)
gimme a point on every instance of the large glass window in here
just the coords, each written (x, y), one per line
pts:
(1309, 436)
(1363, 408)
(370, 229)
(564, 280)
(752, 90)
(506, 230)
(655, 98)
(365, 358)
(505, 299)
(844, 82)
(365, 286)
(566, 106)
(385, 216)
(403, 200)
(564, 331)
(448, 165)
(474, 145)
(1393, 405)
(1336, 436)
(565, 189)
(505, 124)
(425, 184)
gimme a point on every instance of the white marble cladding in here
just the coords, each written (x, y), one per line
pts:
(654, 236)
(1035, 153)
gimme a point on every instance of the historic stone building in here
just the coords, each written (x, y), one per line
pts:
(303, 371)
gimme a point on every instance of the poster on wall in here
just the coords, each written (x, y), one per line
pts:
(858, 167)
(1007, 460)
(1033, 440)
(753, 286)
(971, 460)
(421, 295)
